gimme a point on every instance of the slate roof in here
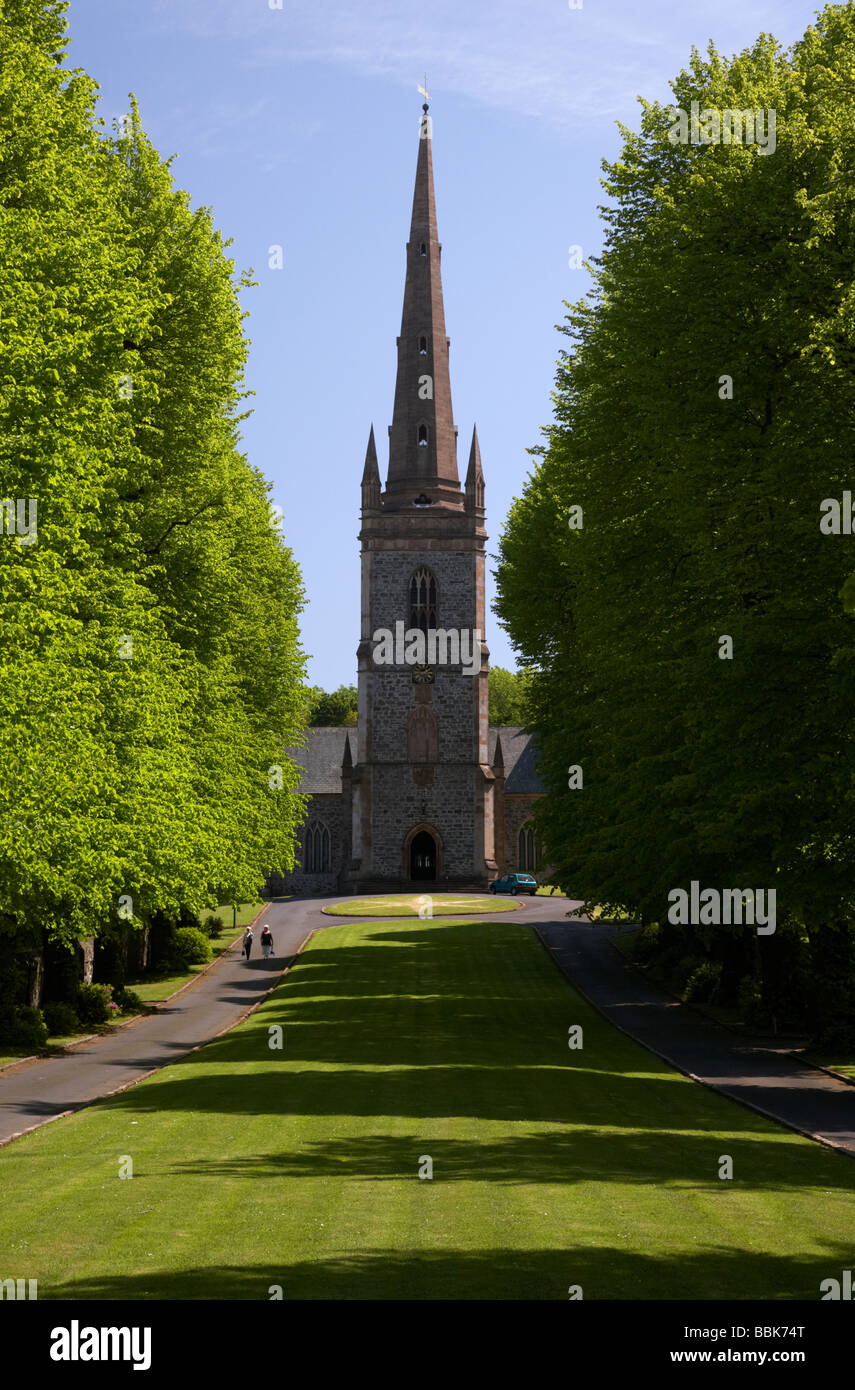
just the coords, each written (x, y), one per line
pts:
(322, 758)
(519, 751)
(324, 751)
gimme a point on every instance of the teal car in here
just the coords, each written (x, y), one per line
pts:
(514, 883)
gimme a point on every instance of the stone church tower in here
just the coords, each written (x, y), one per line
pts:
(421, 791)
(421, 786)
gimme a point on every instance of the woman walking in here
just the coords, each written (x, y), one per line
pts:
(247, 942)
(266, 941)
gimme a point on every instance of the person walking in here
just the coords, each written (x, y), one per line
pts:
(247, 942)
(266, 941)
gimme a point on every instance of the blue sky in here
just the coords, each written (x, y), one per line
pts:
(299, 127)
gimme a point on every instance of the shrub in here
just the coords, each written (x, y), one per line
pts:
(703, 983)
(128, 1001)
(95, 1003)
(685, 968)
(750, 1001)
(13, 979)
(61, 1018)
(839, 1037)
(215, 926)
(28, 1027)
(189, 946)
(645, 944)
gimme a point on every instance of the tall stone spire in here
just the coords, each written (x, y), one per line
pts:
(422, 437)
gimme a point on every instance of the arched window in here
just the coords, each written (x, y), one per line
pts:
(423, 608)
(423, 345)
(528, 856)
(423, 439)
(422, 250)
(317, 857)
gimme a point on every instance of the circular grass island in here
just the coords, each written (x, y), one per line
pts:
(421, 905)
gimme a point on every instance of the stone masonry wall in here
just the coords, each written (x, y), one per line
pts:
(330, 809)
(447, 806)
(518, 811)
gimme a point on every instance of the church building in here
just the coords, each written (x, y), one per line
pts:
(422, 790)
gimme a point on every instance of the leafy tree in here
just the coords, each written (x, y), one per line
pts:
(701, 512)
(206, 543)
(508, 696)
(150, 673)
(66, 292)
(337, 708)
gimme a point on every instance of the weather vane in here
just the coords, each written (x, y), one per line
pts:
(424, 92)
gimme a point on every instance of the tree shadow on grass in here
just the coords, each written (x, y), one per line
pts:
(422, 1001)
(603, 1272)
(604, 1128)
(659, 1159)
(452, 1021)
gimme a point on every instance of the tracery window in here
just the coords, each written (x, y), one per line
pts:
(529, 855)
(317, 856)
(423, 606)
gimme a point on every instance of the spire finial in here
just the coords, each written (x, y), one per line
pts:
(424, 92)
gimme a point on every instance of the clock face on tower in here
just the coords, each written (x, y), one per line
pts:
(423, 675)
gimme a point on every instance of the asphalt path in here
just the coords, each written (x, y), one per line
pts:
(768, 1080)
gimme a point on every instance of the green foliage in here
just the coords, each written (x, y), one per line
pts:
(27, 1028)
(94, 1003)
(189, 946)
(646, 944)
(215, 927)
(128, 1001)
(61, 1019)
(337, 708)
(13, 979)
(703, 983)
(508, 696)
(151, 649)
(750, 1000)
(837, 1035)
(701, 516)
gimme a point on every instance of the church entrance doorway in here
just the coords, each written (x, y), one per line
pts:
(423, 856)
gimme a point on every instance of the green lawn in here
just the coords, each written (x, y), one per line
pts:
(298, 1168)
(832, 1060)
(14, 1054)
(411, 905)
(246, 913)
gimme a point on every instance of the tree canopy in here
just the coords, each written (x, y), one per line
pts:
(508, 693)
(664, 571)
(331, 708)
(151, 671)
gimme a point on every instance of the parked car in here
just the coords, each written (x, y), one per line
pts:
(514, 883)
